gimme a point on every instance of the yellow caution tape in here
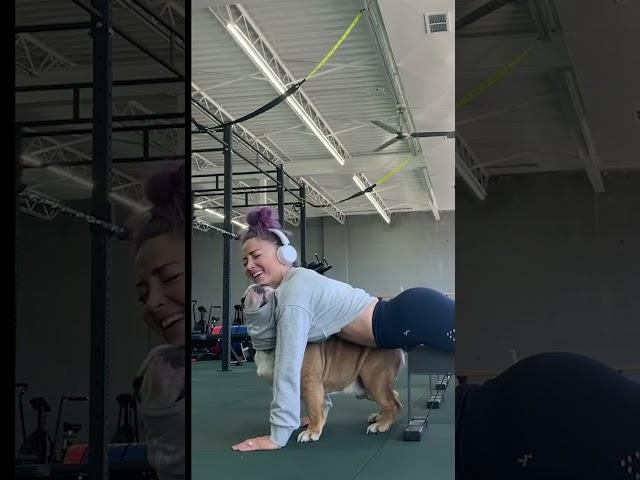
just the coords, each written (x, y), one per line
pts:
(494, 78)
(392, 172)
(336, 46)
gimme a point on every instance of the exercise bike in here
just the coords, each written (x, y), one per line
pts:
(23, 389)
(126, 432)
(36, 447)
(202, 325)
(69, 430)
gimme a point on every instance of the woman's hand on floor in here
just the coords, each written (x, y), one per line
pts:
(257, 443)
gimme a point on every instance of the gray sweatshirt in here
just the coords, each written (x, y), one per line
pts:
(307, 307)
(159, 386)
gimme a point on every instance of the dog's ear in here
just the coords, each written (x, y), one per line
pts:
(247, 291)
(250, 287)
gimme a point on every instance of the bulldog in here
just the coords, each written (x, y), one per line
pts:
(330, 367)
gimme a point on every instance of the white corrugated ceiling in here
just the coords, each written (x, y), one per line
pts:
(524, 123)
(348, 99)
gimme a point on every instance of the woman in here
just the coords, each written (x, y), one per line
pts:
(311, 307)
(160, 270)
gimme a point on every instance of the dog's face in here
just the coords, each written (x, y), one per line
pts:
(255, 296)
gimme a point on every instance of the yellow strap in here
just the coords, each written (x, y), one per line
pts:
(392, 172)
(336, 46)
(494, 78)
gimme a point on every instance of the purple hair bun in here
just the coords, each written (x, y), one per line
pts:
(262, 219)
(165, 190)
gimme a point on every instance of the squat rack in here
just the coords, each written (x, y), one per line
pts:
(228, 190)
(100, 127)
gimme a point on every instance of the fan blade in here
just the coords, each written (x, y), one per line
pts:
(386, 127)
(386, 144)
(433, 134)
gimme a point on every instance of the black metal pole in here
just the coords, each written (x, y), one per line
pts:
(16, 265)
(117, 118)
(280, 178)
(95, 13)
(77, 163)
(235, 205)
(303, 225)
(480, 12)
(116, 83)
(243, 141)
(76, 103)
(149, 53)
(83, 131)
(239, 190)
(205, 150)
(52, 27)
(18, 153)
(100, 314)
(145, 143)
(226, 267)
(159, 20)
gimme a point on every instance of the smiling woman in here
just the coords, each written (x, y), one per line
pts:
(160, 270)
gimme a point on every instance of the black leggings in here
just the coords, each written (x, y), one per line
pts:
(557, 416)
(418, 316)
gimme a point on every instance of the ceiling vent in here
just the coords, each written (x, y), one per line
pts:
(436, 22)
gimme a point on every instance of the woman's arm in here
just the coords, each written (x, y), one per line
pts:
(293, 331)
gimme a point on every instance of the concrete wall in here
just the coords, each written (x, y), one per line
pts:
(53, 319)
(548, 265)
(414, 250)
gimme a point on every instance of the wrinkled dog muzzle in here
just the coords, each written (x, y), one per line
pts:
(259, 304)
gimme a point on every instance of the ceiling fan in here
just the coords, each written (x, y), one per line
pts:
(400, 135)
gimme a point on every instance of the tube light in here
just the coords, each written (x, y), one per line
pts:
(372, 199)
(213, 212)
(241, 225)
(264, 67)
(219, 215)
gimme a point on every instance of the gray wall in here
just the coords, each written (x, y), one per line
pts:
(413, 250)
(53, 318)
(548, 265)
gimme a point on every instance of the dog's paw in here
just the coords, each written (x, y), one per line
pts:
(373, 418)
(376, 428)
(308, 436)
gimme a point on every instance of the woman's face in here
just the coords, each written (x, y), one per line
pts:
(261, 263)
(160, 271)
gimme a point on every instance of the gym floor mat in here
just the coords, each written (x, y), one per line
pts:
(228, 407)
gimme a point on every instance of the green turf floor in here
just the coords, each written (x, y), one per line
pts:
(229, 407)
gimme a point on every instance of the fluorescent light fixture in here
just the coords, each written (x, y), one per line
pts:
(431, 196)
(472, 182)
(434, 210)
(241, 225)
(372, 199)
(219, 215)
(70, 176)
(213, 212)
(264, 67)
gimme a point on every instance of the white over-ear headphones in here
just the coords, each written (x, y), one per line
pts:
(286, 253)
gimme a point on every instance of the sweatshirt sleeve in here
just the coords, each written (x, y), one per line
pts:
(292, 333)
